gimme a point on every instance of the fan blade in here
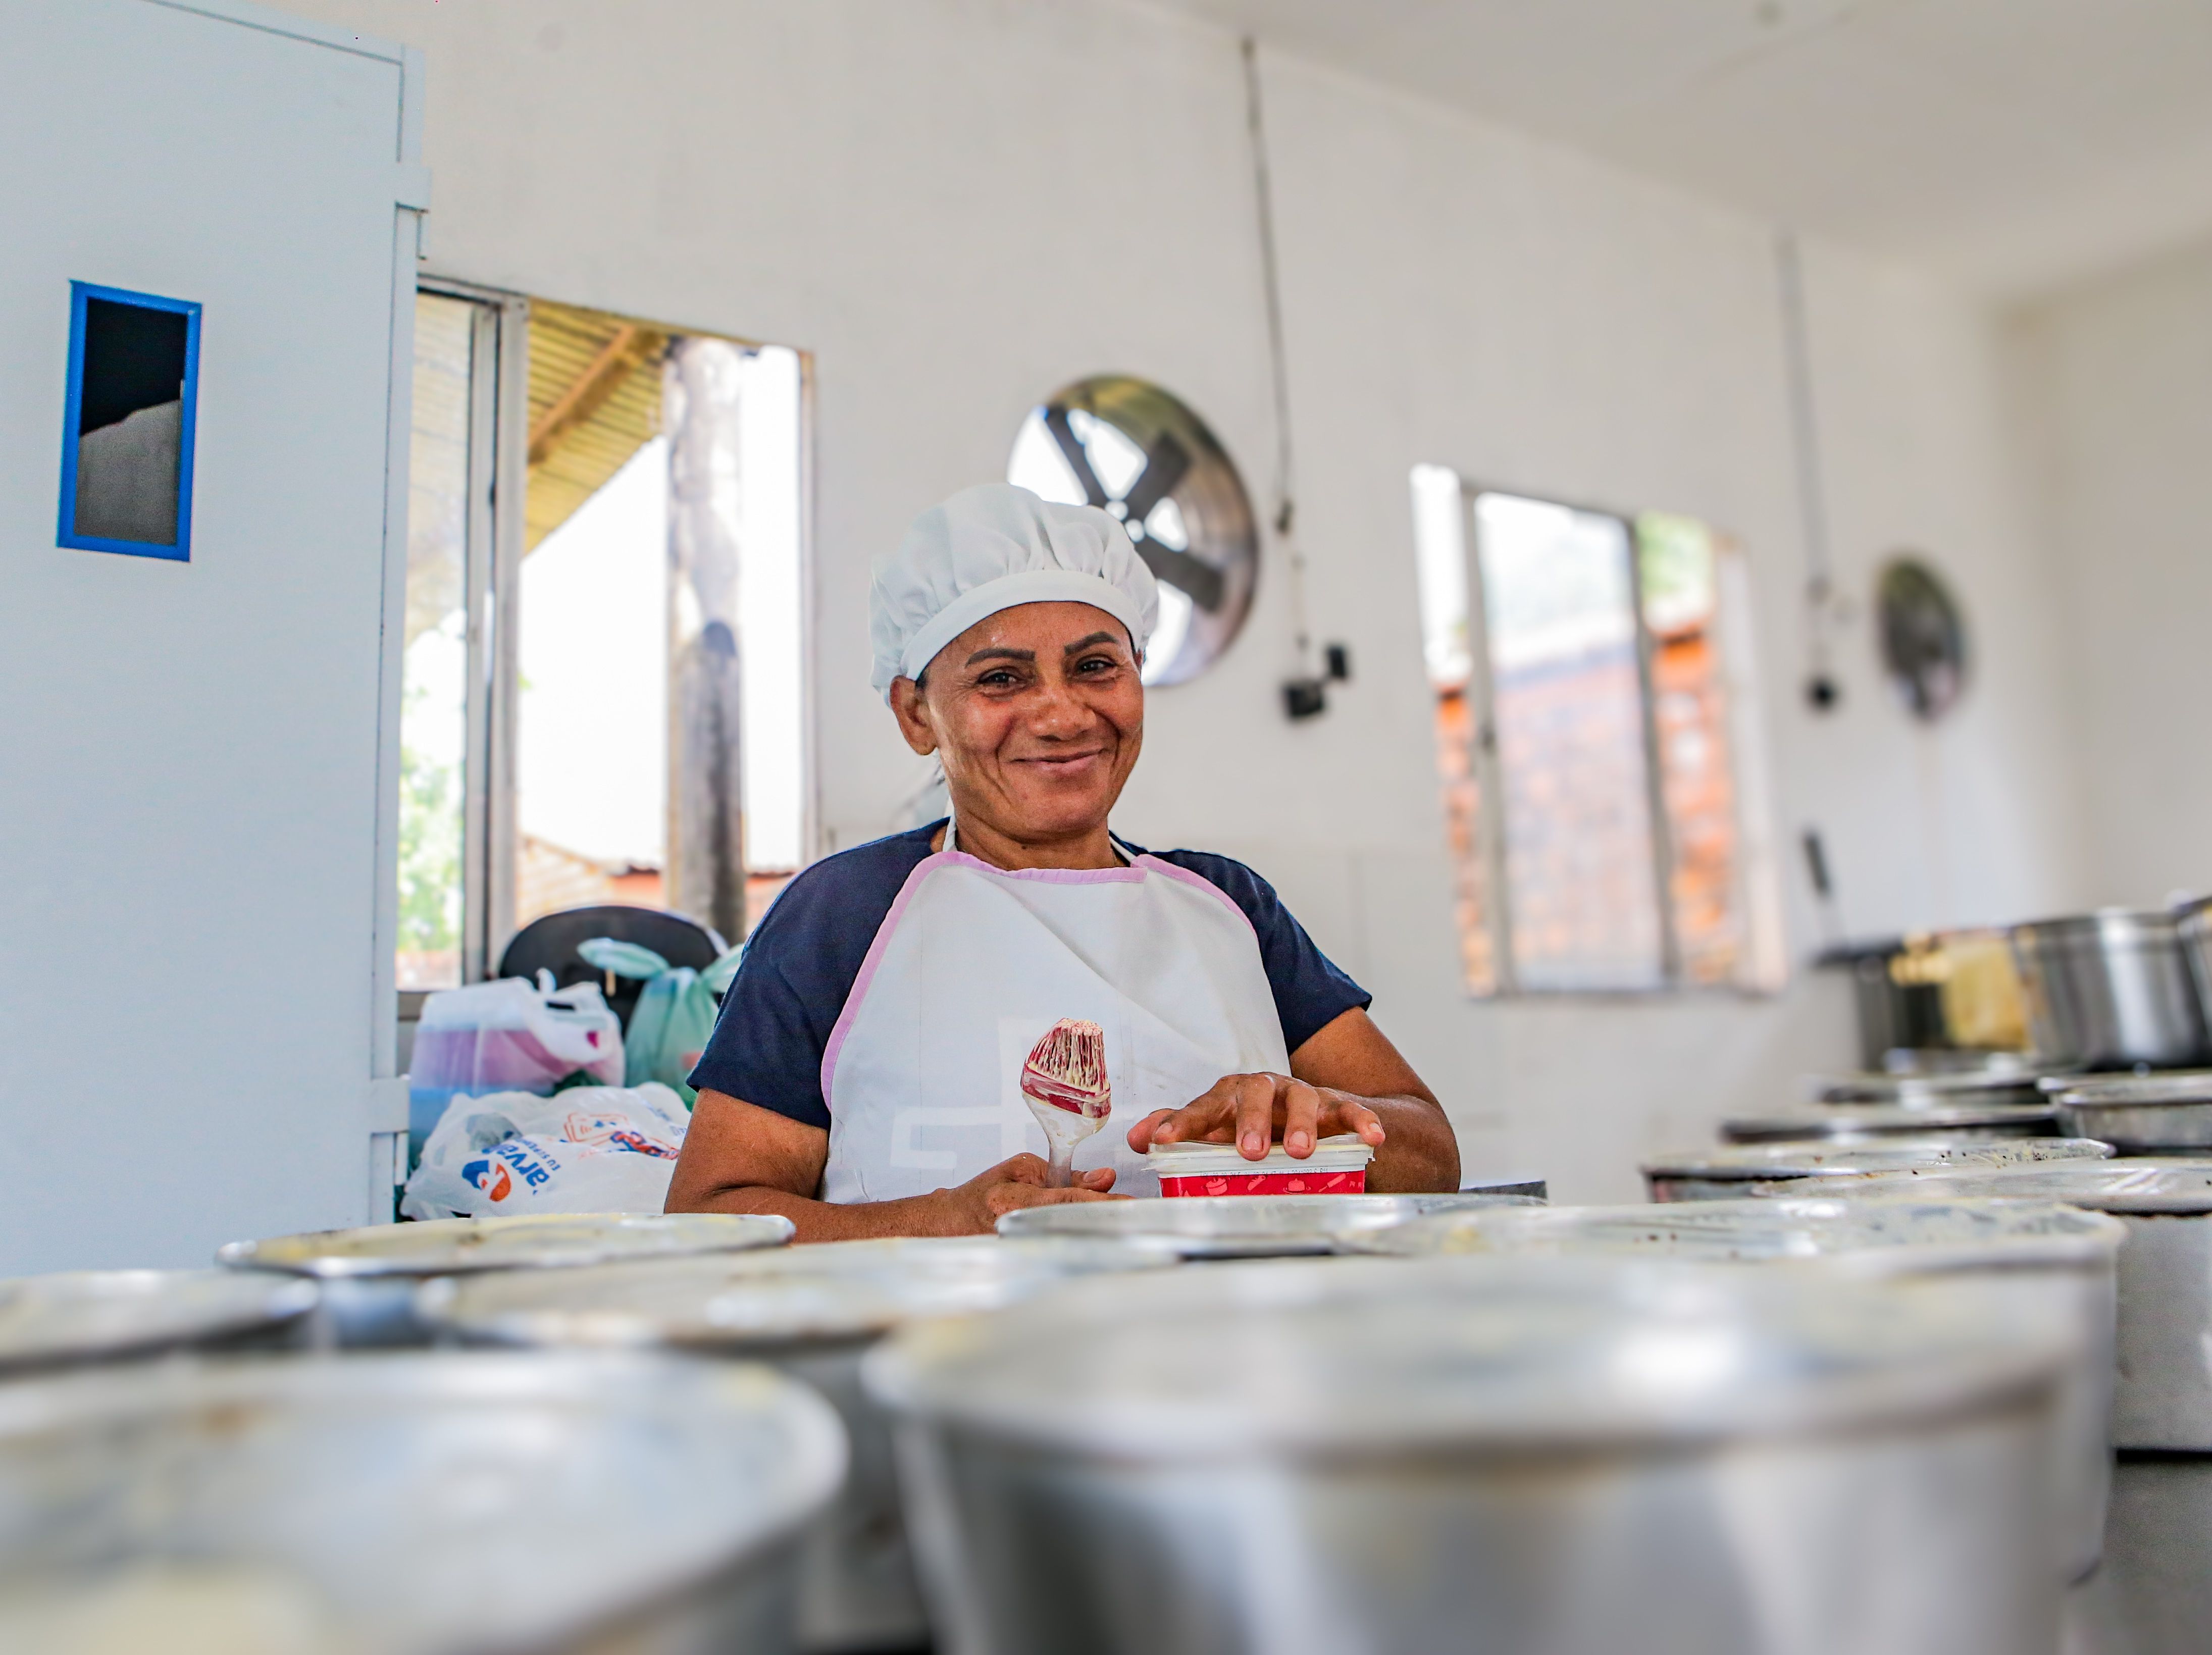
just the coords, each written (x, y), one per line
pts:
(1165, 465)
(1201, 582)
(1070, 450)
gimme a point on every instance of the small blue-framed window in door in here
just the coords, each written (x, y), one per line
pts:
(127, 433)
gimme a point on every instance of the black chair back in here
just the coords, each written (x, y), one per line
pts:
(549, 943)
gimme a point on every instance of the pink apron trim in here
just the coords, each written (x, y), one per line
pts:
(1134, 873)
(1199, 882)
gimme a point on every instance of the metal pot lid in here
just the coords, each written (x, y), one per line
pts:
(2180, 1185)
(838, 1290)
(1914, 1090)
(1761, 1162)
(1906, 1234)
(2129, 1090)
(1398, 1355)
(90, 1314)
(1849, 1121)
(428, 1502)
(1242, 1227)
(2120, 927)
(548, 1241)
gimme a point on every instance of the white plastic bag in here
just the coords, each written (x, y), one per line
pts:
(508, 1035)
(589, 1149)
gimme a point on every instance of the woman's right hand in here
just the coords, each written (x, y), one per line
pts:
(975, 1207)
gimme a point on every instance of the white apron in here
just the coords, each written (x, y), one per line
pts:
(973, 963)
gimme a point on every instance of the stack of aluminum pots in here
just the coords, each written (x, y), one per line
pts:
(2068, 1256)
(2159, 1541)
(812, 1313)
(1528, 1456)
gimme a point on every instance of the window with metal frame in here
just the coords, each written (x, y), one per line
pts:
(1595, 745)
(604, 653)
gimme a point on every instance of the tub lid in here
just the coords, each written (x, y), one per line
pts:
(89, 1315)
(835, 1290)
(2178, 1184)
(1243, 1226)
(1760, 1162)
(1845, 1121)
(1418, 1355)
(563, 1490)
(1344, 1152)
(458, 1246)
(1908, 1233)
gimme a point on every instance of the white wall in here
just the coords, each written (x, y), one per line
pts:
(960, 204)
(2116, 381)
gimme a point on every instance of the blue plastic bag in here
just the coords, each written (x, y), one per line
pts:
(675, 1014)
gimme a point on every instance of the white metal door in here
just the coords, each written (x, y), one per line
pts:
(196, 756)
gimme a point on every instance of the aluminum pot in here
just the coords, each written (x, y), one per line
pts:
(370, 1275)
(2164, 1395)
(2143, 1114)
(1530, 1457)
(2067, 1254)
(82, 1317)
(1978, 1089)
(1845, 1123)
(2111, 990)
(1244, 1227)
(2158, 1555)
(813, 1312)
(1738, 1169)
(418, 1503)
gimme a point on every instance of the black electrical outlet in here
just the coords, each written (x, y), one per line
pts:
(1339, 657)
(1305, 698)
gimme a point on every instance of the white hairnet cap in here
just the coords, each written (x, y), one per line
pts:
(987, 549)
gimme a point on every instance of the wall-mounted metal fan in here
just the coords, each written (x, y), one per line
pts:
(1129, 447)
(1924, 637)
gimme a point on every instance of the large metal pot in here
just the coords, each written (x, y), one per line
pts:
(1531, 1458)
(1738, 1169)
(814, 1313)
(2143, 1115)
(1845, 1123)
(2157, 1578)
(2068, 1254)
(82, 1317)
(370, 1275)
(2111, 990)
(2164, 1396)
(410, 1503)
(1243, 1226)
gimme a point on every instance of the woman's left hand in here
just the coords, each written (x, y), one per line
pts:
(1256, 1110)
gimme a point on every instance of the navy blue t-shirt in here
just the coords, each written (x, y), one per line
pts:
(800, 963)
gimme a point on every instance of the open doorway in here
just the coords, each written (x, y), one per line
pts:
(604, 694)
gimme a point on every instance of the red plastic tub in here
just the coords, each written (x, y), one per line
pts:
(1338, 1166)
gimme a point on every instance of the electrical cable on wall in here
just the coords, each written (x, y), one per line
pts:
(1303, 694)
(1822, 692)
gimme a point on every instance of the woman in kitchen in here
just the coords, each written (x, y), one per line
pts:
(865, 1076)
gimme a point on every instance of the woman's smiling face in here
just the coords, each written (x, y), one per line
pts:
(1038, 714)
